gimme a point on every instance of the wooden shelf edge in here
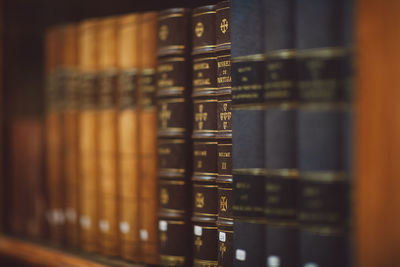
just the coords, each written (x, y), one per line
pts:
(41, 255)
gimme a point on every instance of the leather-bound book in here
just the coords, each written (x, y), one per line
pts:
(174, 128)
(280, 206)
(71, 134)
(107, 136)
(148, 219)
(248, 132)
(128, 136)
(205, 170)
(224, 134)
(54, 136)
(88, 129)
(323, 130)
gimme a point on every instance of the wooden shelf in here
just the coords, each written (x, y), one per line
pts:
(35, 254)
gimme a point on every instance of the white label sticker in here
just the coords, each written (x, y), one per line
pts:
(124, 227)
(104, 226)
(85, 222)
(163, 226)
(240, 255)
(311, 264)
(222, 236)
(144, 234)
(198, 230)
(273, 261)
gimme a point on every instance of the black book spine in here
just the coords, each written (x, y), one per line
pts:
(224, 135)
(280, 210)
(248, 132)
(323, 130)
(204, 83)
(174, 130)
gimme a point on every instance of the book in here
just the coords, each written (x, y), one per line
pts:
(148, 202)
(323, 130)
(71, 134)
(280, 110)
(248, 132)
(88, 129)
(174, 150)
(107, 136)
(205, 169)
(224, 134)
(54, 135)
(128, 136)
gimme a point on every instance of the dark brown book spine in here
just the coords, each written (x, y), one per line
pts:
(174, 129)
(71, 135)
(224, 136)
(205, 169)
(148, 203)
(107, 136)
(88, 128)
(128, 136)
(54, 138)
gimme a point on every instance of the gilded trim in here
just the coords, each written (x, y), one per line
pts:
(203, 59)
(283, 53)
(204, 13)
(324, 176)
(172, 141)
(249, 171)
(255, 57)
(171, 59)
(175, 15)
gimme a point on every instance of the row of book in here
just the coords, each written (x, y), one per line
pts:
(161, 150)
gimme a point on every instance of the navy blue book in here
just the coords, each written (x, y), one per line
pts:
(280, 98)
(247, 51)
(323, 130)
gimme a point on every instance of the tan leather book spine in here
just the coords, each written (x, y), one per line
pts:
(88, 128)
(148, 140)
(71, 135)
(128, 136)
(107, 134)
(54, 133)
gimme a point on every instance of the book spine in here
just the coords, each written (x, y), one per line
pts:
(54, 139)
(224, 135)
(128, 136)
(148, 223)
(323, 128)
(281, 183)
(248, 132)
(174, 129)
(205, 169)
(71, 135)
(107, 137)
(88, 129)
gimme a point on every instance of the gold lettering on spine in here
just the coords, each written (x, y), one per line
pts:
(198, 242)
(223, 203)
(199, 29)
(225, 116)
(224, 25)
(222, 249)
(165, 115)
(164, 197)
(201, 117)
(163, 33)
(199, 200)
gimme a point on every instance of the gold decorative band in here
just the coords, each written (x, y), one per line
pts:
(326, 52)
(172, 210)
(284, 173)
(172, 260)
(171, 59)
(205, 143)
(203, 59)
(173, 129)
(224, 144)
(174, 222)
(175, 15)
(172, 100)
(209, 227)
(205, 173)
(148, 71)
(222, 56)
(204, 13)
(324, 176)
(172, 47)
(172, 182)
(222, 8)
(227, 43)
(250, 106)
(250, 220)
(205, 186)
(255, 57)
(172, 170)
(250, 171)
(205, 101)
(171, 141)
(204, 263)
(284, 53)
(203, 46)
